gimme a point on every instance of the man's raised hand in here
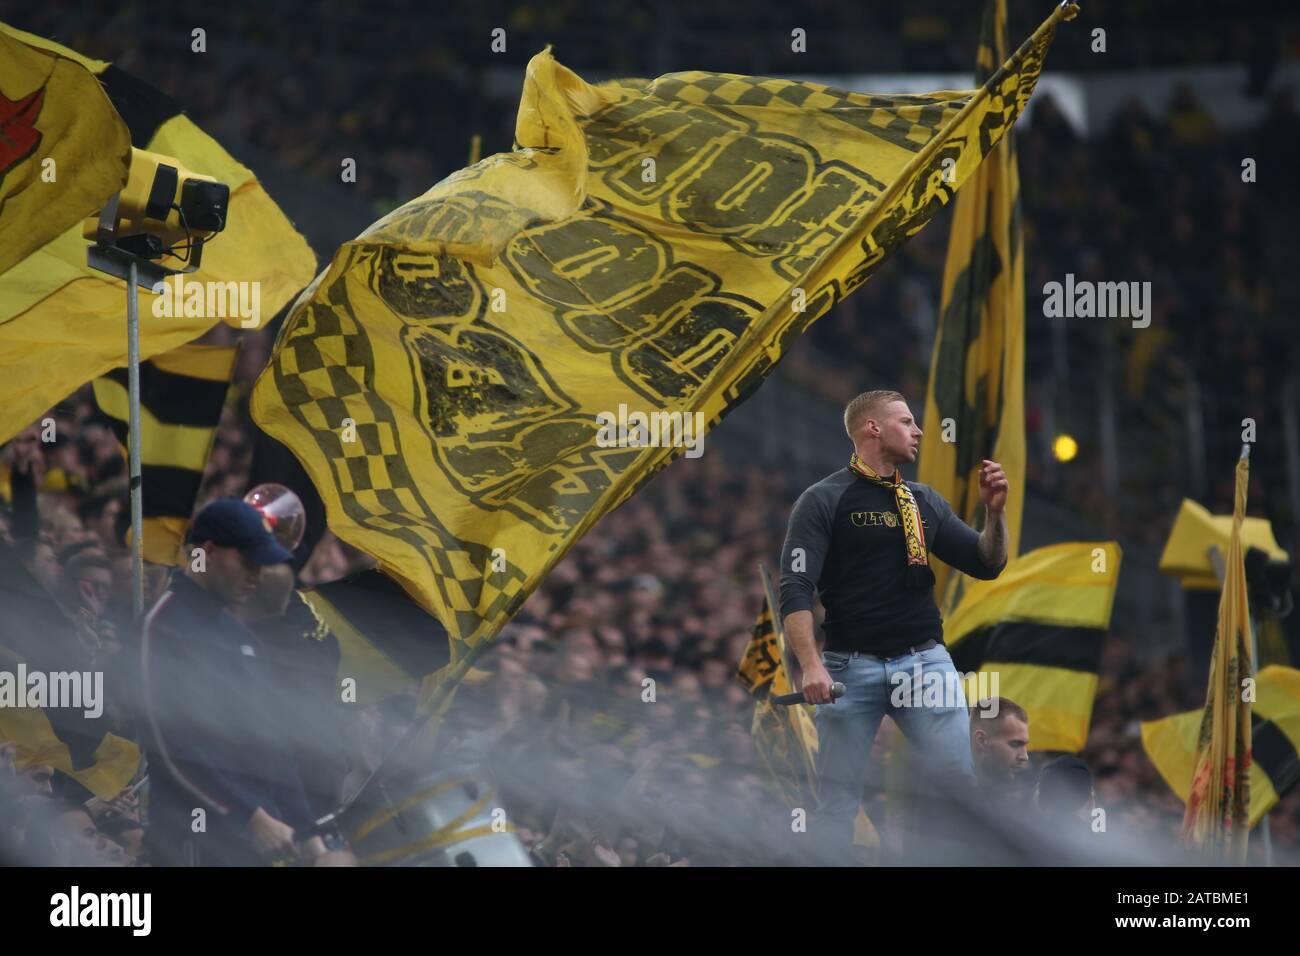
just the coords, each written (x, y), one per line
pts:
(993, 486)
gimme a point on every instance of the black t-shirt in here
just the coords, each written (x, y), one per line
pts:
(846, 541)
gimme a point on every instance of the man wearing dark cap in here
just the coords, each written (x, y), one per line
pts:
(223, 788)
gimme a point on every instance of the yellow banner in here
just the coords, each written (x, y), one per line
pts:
(975, 402)
(1034, 635)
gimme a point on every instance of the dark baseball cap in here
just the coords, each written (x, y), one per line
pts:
(233, 523)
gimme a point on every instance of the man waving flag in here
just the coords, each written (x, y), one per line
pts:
(490, 368)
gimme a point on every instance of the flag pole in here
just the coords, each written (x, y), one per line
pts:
(1265, 829)
(133, 444)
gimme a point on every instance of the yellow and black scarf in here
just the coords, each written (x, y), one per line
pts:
(918, 575)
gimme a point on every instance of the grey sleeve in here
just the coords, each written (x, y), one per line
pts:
(807, 542)
(957, 543)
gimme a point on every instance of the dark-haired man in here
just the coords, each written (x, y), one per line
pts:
(999, 746)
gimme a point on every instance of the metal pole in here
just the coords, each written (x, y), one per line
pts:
(133, 444)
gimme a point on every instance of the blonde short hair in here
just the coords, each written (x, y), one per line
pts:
(866, 405)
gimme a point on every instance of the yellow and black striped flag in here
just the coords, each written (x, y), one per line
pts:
(471, 383)
(975, 403)
(182, 393)
(1035, 635)
(63, 323)
(1218, 803)
(63, 148)
(1171, 742)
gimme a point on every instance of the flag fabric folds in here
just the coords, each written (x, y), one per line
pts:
(457, 381)
(114, 762)
(1187, 551)
(63, 323)
(63, 148)
(1034, 634)
(37, 637)
(182, 393)
(1171, 742)
(975, 402)
(1215, 819)
(388, 643)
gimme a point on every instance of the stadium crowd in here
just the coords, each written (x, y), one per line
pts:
(666, 588)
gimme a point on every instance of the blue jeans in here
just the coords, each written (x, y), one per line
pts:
(939, 729)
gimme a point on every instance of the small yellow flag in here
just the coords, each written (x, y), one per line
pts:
(1216, 819)
(63, 148)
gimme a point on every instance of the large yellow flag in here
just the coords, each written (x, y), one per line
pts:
(1171, 742)
(1216, 817)
(975, 402)
(63, 148)
(458, 380)
(62, 323)
(1035, 635)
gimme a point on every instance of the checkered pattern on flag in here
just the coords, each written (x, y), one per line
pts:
(653, 246)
